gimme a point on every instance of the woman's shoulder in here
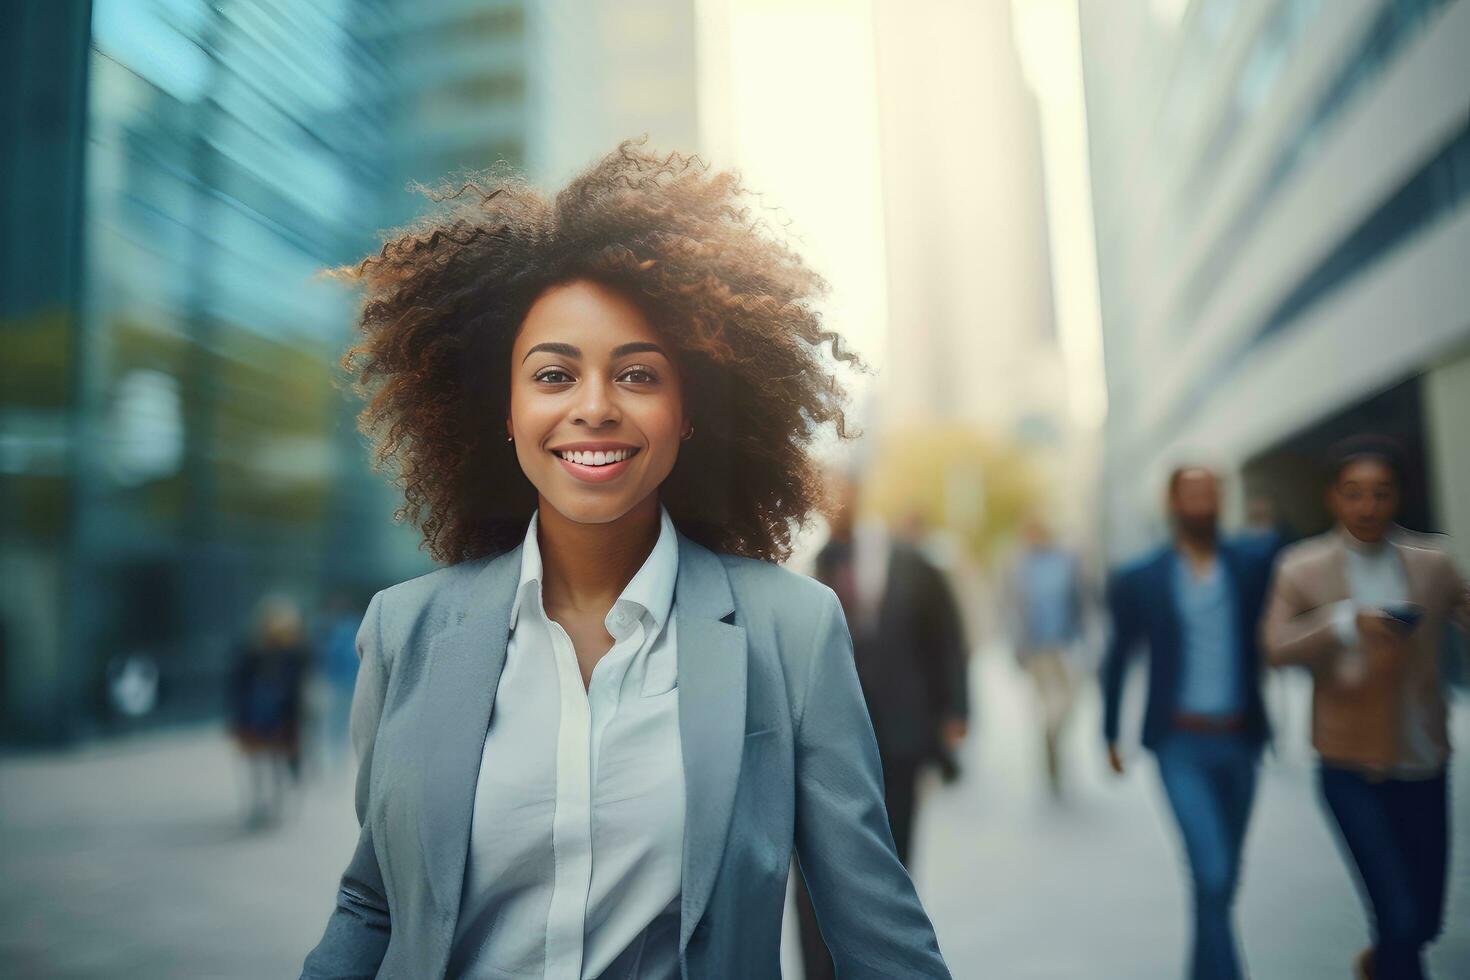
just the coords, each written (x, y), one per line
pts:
(1307, 554)
(765, 589)
(432, 585)
(428, 600)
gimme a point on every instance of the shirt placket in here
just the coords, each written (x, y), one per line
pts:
(586, 714)
(605, 690)
(571, 838)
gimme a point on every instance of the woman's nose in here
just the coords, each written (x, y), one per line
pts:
(595, 407)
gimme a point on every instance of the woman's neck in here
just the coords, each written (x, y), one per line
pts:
(1355, 543)
(587, 566)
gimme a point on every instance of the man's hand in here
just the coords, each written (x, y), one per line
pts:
(1115, 761)
(1376, 626)
(1384, 641)
(953, 732)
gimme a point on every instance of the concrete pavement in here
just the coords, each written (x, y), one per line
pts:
(128, 859)
(1022, 887)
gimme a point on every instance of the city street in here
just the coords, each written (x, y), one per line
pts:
(1025, 289)
(127, 860)
(1021, 888)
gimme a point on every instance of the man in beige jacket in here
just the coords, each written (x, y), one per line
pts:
(1364, 608)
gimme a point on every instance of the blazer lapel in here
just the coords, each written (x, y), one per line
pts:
(465, 661)
(1243, 593)
(1166, 600)
(1418, 578)
(712, 669)
(1335, 582)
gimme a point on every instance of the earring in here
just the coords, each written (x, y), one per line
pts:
(688, 433)
(510, 438)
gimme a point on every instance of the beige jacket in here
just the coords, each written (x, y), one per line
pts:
(1359, 720)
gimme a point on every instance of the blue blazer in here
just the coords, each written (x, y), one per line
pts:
(1143, 609)
(778, 754)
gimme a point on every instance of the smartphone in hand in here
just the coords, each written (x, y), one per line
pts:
(1406, 614)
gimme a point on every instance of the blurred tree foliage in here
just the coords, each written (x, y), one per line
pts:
(35, 388)
(34, 372)
(270, 410)
(955, 478)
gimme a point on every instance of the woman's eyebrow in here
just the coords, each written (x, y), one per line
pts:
(568, 350)
(554, 347)
(637, 347)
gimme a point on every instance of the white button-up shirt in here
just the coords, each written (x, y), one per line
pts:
(576, 841)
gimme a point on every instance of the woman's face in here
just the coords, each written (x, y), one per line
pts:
(596, 407)
(1365, 499)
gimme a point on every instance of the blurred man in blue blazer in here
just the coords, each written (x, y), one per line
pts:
(1195, 604)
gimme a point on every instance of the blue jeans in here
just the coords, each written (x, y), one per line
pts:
(1210, 781)
(1397, 834)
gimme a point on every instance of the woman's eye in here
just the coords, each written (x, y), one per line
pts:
(633, 375)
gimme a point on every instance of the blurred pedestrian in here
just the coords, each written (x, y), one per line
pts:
(1047, 599)
(1363, 608)
(1263, 521)
(592, 742)
(265, 698)
(337, 669)
(1194, 604)
(912, 660)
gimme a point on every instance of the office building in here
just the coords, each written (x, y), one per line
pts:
(1281, 192)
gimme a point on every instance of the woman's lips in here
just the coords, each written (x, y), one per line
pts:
(595, 474)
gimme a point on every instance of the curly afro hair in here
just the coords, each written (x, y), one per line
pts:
(445, 298)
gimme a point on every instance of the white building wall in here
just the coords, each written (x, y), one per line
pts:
(1188, 378)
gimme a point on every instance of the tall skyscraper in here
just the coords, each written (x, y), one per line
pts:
(972, 332)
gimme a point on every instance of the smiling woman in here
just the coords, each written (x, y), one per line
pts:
(590, 744)
(670, 244)
(596, 401)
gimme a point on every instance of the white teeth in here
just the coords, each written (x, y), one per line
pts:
(595, 458)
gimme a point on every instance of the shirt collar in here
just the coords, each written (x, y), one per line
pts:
(651, 588)
(1184, 574)
(1371, 550)
(530, 568)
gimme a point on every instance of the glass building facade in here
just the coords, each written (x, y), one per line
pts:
(176, 435)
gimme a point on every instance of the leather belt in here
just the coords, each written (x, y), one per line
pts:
(1210, 724)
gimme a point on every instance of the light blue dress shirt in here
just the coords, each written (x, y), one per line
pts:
(1209, 669)
(578, 825)
(1047, 582)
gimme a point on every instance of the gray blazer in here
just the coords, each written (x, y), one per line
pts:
(778, 755)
